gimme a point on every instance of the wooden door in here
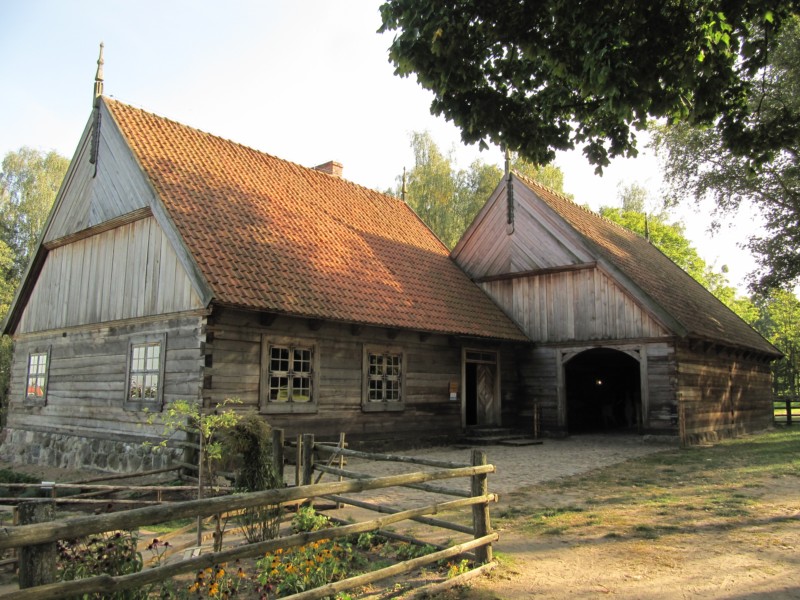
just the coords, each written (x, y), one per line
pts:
(485, 394)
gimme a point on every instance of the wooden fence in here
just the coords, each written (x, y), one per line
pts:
(786, 410)
(36, 542)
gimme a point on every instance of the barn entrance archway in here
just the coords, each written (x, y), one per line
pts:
(603, 391)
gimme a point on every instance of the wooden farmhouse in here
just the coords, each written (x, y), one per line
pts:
(622, 337)
(180, 265)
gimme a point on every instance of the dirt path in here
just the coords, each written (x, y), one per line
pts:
(757, 557)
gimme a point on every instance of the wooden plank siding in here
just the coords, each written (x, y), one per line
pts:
(87, 386)
(536, 243)
(428, 414)
(124, 273)
(573, 305)
(89, 199)
(722, 393)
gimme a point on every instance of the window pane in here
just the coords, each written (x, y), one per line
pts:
(375, 390)
(145, 371)
(375, 364)
(302, 361)
(37, 367)
(137, 385)
(301, 389)
(392, 391)
(278, 389)
(279, 359)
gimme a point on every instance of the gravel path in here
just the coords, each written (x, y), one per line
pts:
(517, 467)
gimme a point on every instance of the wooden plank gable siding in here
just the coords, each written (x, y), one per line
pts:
(117, 189)
(86, 383)
(539, 239)
(582, 304)
(124, 273)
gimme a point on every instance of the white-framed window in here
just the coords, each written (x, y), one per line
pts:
(383, 377)
(288, 375)
(36, 379)
(145, 379)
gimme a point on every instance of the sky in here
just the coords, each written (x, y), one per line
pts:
(308, 81)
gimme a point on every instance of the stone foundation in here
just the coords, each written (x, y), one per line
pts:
(74, 452)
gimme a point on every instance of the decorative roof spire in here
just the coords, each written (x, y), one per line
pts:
(404, 189)
(98, 78)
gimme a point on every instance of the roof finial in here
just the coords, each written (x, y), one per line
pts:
(404, 189)
(508, 161)
(98, 78)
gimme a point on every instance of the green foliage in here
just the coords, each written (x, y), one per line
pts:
(544, 76)
(29, 182)
(698, 163)
(779, 322)
(406, 551)
(251, 439)
(112, 553)
(9, 476)
(187, 417)
(307, 519)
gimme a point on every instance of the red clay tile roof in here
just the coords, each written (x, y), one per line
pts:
(668, 286)
(271, 235)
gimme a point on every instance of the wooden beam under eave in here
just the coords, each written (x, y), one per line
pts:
(356, 329)
(423, 336)
(535, 272)
(392, 333)
(315, 324)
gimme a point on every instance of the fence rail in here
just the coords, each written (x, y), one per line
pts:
(786, 410)
(40, 535)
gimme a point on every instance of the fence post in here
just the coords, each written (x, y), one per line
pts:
(277, 451)
(481, 522)
(37, 564)
(789, 411)
(308, 458)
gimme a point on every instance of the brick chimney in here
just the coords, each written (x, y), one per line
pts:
(331, 168)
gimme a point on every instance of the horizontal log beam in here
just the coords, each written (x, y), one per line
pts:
(441, 464)
(434, 489)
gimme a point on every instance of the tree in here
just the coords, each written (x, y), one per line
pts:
(29, 183)
(779, 322)
(698, 164)
(446, 198)
(543, 76)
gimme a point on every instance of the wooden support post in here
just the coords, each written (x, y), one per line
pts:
(298, 459)
(481, 522)
(788, 412)
(341, 460)
(308, 463)
(277, 451)
(308, 458)
(37, 563)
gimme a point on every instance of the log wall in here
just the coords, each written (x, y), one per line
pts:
(432, 363)
(87, 390)
(722, 393)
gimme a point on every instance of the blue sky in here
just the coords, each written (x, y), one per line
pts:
(308, 81)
